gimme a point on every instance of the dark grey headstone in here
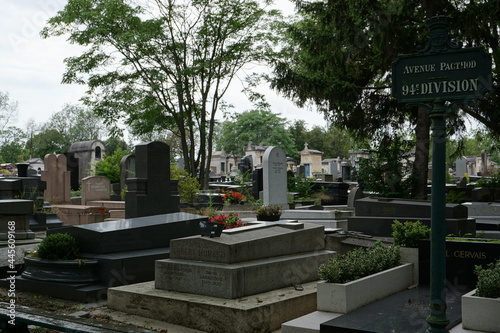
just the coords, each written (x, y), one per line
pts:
(150, 192)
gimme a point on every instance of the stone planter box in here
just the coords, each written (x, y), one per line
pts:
(410, 255)
(343, 298)
(66, 271)
(480, 313)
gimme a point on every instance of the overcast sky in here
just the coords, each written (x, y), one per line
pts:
(32, 67)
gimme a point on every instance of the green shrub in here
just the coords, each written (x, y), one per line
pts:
(359, 263)
(58, 247)
(409, 233)
(189, 187)
(488, 280)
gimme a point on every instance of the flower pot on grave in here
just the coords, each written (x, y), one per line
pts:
(346, 297)
(480, 313)
(65, 271)
(268, 218)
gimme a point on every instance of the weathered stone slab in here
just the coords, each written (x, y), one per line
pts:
(240, 279)
(256, 243)
(262, 313)
(244, 262)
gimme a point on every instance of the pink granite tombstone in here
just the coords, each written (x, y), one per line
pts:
(57, 178)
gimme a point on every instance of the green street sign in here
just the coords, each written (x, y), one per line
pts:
(455, 75)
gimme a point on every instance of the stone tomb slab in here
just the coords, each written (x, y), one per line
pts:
(259, 242)
(244, 263)
(133, 234)
(382, 226)
(386, 207)
(240, 279)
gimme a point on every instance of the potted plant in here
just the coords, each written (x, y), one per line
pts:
(360, 277)
(230, 220)
(481, 306)
(269, 213)
(56, 260)
(406, 235)
(233, 197)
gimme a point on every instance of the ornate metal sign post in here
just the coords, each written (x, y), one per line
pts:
(442, 74)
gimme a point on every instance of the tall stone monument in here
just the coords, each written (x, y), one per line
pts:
(57, 178)
(275, 184)
(150, 193)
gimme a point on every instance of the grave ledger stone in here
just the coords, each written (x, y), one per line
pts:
(244, 262)
(374, 216)
(125, 249)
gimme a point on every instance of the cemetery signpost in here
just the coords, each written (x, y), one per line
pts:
(442, 74)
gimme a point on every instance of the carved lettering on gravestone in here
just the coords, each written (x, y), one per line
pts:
(95, 188)
(212, 278)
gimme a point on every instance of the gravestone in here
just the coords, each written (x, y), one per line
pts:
(245, 261)
(95, 188)
(57, 179)
(461, 258)
(127, 169)
(355, 194)
(150, 192)
(15, 220)
(274, 177)
(375, 216)
(72, 165)
(257, 183)
(125, 249)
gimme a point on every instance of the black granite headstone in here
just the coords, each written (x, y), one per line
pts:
(461, 258)
(150, 192)
(257, 182)
(72, 165)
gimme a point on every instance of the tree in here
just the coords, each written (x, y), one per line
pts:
(114, 143)
(258, 126)
(8, 110)
(339, 58)
(109, 166)
(12, 145)
(76, 123)
(333, 142)
(48, 141)
(298, 132)
(166, 65)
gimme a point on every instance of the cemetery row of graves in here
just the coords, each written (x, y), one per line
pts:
(260, 263)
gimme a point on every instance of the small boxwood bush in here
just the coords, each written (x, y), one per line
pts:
(409, 233)
(359, 263)
(58, 247)
(488, 280)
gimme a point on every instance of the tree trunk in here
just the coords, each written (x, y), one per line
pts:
(421, 164)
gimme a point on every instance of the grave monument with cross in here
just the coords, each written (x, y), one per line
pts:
(441, 76)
